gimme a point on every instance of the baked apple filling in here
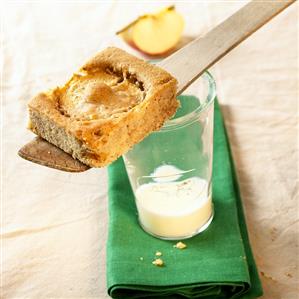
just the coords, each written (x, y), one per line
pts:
(100, 95)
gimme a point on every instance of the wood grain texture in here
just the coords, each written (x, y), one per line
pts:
(188, 63)
(42, 152)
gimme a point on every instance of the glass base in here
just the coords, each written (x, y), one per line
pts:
(200, 230)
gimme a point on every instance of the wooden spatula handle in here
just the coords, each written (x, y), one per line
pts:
(191, 61)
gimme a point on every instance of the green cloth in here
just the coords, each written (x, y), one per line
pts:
(217, 263)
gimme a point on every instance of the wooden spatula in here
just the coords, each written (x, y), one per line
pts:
(186, 65)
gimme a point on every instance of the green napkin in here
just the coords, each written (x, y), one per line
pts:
(217, 263)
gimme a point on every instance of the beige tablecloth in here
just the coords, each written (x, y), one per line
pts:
(54, 224)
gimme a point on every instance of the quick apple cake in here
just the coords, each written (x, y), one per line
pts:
(110, 104)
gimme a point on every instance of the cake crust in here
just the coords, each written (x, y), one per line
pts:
(113, 102)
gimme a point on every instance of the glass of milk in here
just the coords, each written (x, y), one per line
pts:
(170, 171)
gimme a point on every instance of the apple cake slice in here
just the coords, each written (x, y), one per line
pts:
(110, 104)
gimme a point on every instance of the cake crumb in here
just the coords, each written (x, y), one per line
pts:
(158, 262)
(268, 276)
(180, 245)
(158, 253)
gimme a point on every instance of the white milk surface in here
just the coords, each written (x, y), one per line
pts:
(175, 208)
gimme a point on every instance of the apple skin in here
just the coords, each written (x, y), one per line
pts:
(155, 35)
(166, 53)
(131, 43)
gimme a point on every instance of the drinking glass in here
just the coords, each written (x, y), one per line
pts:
(170, 171)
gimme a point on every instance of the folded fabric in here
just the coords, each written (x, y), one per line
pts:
(217, 263)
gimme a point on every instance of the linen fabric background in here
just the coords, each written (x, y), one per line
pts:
(54, 224)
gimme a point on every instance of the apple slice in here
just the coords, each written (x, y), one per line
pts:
(155, 34)
(126, 32)
(158, 33)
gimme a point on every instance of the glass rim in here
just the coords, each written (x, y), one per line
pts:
(190, 117)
